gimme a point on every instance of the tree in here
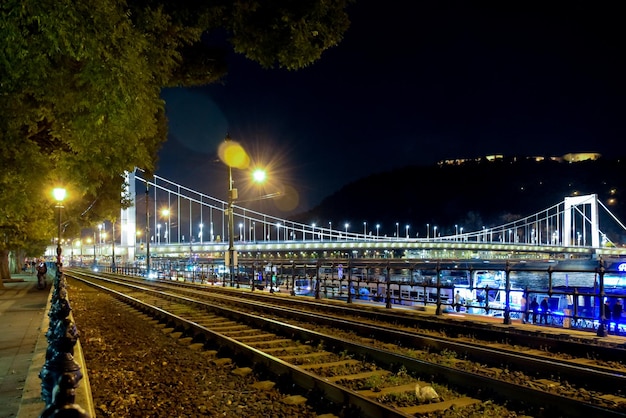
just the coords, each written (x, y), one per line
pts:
(80, 85)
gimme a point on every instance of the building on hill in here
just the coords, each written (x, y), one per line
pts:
(572, 157)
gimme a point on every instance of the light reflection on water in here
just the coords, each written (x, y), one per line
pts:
(539, 280)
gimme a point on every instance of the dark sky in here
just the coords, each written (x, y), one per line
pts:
(414, 83)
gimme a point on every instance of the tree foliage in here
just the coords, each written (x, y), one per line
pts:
(80, 82)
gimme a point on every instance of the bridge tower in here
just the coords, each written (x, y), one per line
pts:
(571, 204)
(128, 218)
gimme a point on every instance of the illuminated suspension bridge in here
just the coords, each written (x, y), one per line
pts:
(176, 221)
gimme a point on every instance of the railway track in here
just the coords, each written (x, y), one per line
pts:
(370, 368)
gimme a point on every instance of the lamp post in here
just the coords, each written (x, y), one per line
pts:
(346, 225)
(100, 238)
(377, 230)
(427, 231)
(232, 196)
(407, 232)
(113, 268)
(200, 234)
(59, 196)
(330, 231)
(397, 230)
(365, 229)
(148, 237)
(95, 260)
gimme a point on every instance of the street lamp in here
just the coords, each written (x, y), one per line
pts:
(200, 233)
(346, 225)
(240, 231)
(427, 231)
(435, 232)
(365, 229)
(407, 232)
(397, 230)
(330, 231)
(312, 232)
(377, 229)
(59, 196)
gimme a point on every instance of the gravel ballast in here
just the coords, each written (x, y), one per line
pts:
(136, 370)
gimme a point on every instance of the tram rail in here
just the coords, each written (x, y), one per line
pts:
(599, 379)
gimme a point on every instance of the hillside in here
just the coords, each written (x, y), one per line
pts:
(473, 194)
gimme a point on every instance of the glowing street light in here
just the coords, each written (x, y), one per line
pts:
(346, 225)
(407, 232)
(200, 233)
(240, 232)
(377, 230)
(397, 230)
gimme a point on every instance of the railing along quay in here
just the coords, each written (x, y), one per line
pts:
(398, 282)
(61, 374)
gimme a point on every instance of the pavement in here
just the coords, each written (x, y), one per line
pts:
(23, 325)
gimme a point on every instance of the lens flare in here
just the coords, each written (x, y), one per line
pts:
(233, 155)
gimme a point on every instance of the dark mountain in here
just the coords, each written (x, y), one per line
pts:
(472, 194)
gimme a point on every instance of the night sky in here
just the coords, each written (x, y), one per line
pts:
(413, 83)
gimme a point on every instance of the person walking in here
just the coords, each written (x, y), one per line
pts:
(534, 307)
(545, 307)
(523, 308)
(457, 301)
(42, 270)
(607, 315)
(617, 315)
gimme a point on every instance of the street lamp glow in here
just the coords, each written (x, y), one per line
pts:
(59, 194)
(377, 229)
(259, 175)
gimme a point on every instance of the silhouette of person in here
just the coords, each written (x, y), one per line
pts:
(617, 315)
(534, 306)
(545, 307)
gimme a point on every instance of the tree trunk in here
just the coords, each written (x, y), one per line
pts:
(5, 273)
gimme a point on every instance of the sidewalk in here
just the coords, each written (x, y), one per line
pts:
(23, 320)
